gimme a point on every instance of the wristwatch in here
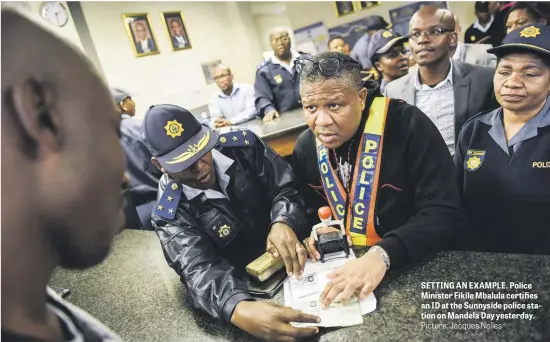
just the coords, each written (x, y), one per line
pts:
(382, 253)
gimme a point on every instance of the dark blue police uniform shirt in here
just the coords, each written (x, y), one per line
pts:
(505, 186)
(144, 176)
(276, 88)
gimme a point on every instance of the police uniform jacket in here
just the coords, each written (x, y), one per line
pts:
(143, 175)
(505, 185)
(209, 242)
(276, 88)
(417, 209)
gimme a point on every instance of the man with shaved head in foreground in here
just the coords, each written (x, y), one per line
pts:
(64, 185)
(440, 87)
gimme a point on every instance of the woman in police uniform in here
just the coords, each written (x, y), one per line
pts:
(503, 156)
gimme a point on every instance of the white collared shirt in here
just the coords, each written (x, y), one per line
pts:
(478, 26)
(276, 60)
(438, 103)
(221, 165)
(144, 45)
(181, 40)
(238, 107)
(458, 50)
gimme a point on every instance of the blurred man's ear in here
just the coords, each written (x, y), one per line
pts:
(454, 40)
(363, 97)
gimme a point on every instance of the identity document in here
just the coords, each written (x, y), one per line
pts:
(304, 295)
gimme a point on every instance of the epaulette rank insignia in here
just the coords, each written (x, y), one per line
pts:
(168, 203)
(238, 138)
(262, 64)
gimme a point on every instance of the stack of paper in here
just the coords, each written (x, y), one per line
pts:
(304, 295)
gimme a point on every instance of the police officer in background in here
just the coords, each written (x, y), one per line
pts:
(219, 203)
(277, 84)
(503, 156)
(389, 56)
(360, 51)
(143, 175)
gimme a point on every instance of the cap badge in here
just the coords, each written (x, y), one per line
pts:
(192, 150)
(386, 34)
(530, 32)
(173, 129)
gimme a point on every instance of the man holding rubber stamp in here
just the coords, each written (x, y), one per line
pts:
(382, 167)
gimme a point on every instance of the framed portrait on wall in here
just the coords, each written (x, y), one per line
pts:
(208, 70)
(361, 5)
(140, 32)
(175, 28)
(343, 7)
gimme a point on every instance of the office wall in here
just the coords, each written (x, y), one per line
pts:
(302, 13)
(217, 30)
(68, 32)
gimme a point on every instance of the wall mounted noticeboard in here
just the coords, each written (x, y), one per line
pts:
(312, 39)
(401, 16)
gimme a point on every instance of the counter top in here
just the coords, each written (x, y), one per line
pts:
(287, 122)
(137, 295)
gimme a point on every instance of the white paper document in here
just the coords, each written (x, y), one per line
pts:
(304, 295)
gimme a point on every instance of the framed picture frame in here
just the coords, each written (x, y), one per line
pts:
(343, 8)
(176, 30)
(362, 5)
(140, 32)
(208, 70)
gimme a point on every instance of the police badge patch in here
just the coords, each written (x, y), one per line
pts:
(278, 79)
(474, 159)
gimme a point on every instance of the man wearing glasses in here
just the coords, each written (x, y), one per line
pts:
(441, 88)
(234, 104)
(381, 166)
(276, 86)
(389, 56)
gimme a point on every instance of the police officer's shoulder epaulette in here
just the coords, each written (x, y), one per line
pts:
(264, 63)
(167, 205)
(237, 138)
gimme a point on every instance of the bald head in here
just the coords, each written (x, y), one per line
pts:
(277, 32)
(54, 106)
(222, 68)
(36, 61)
(443, 16)
(223, 78)
(280, 43)
(433, 36)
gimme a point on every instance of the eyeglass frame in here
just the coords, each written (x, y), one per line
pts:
(388, 54)
(284, 38)
(220, 76)
(339, 59)
(433, 33)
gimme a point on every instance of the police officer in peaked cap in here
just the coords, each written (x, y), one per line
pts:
(503, 156)
(220, 199)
